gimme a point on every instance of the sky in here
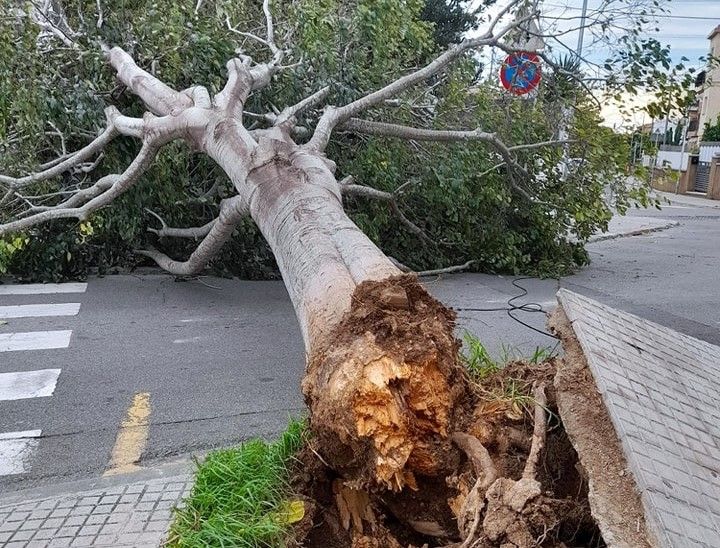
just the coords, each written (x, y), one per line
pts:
(685, 26)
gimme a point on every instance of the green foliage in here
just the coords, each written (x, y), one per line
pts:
(450, 18)
(468, 206)
(241, 496)
(8, 247)
(711, 132)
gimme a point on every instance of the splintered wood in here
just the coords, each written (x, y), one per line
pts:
(381, 396)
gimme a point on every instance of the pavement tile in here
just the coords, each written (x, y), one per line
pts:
(105, 540)
(135, 514)
(96, 519)
(33, 524)
(127, 539)
(89, 501)
(40, 513)
(68, 531)
(52, 523)
(110, 499)
(9, 526)
(18, 516)
(23, 535)
(102, 509)
(75, 520)
(44, 534)
(660, 388)
(89, 530)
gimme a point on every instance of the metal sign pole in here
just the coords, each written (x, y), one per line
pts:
(578, 52)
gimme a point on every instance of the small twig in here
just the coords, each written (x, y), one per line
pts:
(390, 198)
(318, 456)
(100, 18)
(448, 270)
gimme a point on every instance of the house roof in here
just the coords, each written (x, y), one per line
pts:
(715, 31)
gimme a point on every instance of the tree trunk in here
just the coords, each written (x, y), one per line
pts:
(382, 378)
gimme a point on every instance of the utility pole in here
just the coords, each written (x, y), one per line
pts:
(578, 51)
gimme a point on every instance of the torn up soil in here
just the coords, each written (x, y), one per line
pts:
(408, 451)
(613, 497)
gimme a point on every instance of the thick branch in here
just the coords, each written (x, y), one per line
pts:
(232, 211)
(78, 157)
(158, 96)
(446, 136)
(195, 233)
(290, 113)
(391, 198)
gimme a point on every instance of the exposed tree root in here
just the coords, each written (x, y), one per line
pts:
(515, 481)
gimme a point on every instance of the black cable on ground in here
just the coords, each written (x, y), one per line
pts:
(510, 308)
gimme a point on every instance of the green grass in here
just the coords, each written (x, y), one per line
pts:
(540, 354)
(480, 363)
(476, 358)
(240, 497)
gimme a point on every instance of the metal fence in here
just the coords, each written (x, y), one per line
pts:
(673, 157)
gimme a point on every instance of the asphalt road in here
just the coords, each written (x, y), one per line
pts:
(222, 360)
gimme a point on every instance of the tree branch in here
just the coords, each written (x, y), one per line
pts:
(120, 184)
(391, 198)
(335, 116)
(158, 96)
(369, 127)
(232, 211)
(85, 153)
(170, 232)
(447, 270)
(290, 113)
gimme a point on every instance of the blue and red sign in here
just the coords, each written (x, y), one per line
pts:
(520, 72)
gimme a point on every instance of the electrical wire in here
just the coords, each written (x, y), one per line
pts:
(511, 307)
(649, 15)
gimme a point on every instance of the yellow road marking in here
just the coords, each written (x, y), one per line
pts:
(132, 437)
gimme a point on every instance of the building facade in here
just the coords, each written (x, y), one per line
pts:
(709, 98)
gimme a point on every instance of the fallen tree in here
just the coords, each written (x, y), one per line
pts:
(388, 401)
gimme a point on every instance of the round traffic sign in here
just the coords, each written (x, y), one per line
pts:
(520, 72)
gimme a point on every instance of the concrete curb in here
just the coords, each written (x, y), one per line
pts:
(638, 232)
(183, 467)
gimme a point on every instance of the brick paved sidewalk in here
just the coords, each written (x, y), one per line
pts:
(121, 511)
(661, 390)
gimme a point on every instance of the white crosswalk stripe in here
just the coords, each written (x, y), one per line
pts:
(39, 310)
(34, 340)
(42, 289)
(17, 448)
(20, 385)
